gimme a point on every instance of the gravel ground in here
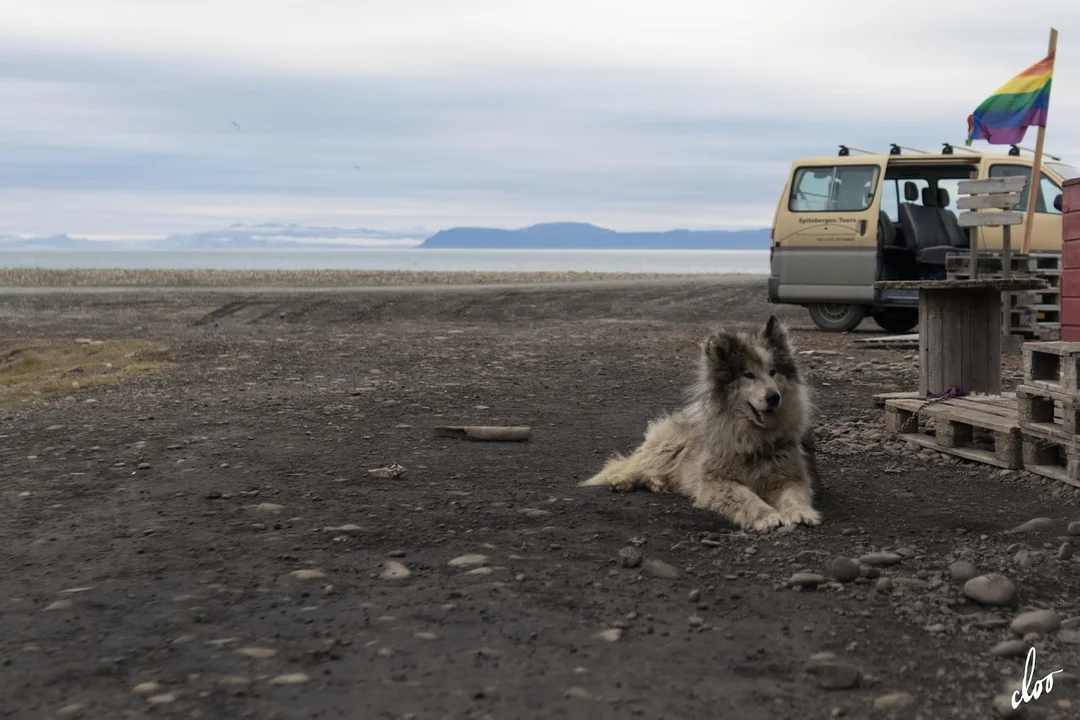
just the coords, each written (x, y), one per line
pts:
(208, 540)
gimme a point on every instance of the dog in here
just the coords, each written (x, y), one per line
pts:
(742, 447)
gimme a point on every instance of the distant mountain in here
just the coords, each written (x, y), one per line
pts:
(584, 236)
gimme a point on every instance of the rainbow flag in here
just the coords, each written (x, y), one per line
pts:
(1005, 116)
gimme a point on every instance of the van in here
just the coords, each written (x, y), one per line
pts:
(847, 221)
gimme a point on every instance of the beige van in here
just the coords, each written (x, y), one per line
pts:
(846, 221)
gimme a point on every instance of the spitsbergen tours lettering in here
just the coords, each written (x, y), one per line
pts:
(1028, 693)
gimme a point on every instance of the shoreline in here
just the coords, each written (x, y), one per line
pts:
(19, 280)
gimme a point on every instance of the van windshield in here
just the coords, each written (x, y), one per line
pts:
(1067, 172)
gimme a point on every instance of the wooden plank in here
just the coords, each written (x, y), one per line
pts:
(1000, 201)
(990, 219)
(881, 398)
(891, 341)
(967, 453)
(1014, 184)
(977, 418)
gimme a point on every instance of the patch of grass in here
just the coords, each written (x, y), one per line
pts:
(49, 368)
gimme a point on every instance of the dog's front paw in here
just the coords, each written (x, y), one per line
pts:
(766, 522)
(801, 516)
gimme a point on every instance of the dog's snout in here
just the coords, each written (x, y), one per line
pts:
(772, 399)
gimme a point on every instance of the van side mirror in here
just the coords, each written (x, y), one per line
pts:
(1057, 203)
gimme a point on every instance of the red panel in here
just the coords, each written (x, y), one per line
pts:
(1070, 311)
(1070, 196)
(1070, 333)
(1070, 283)
(1070, 226)
(1070, 255)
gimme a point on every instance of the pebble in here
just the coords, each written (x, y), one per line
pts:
(884, 585)
(257, 652)
(1003, 707)
(162, 699)
(64, 604)
(833, 674)
(805, 579)
(308, 574)
(393, 570)
(1065, 552)
(963, 570)
(991, 589)
(269, 508)
(1035, 525)
(146, 688)
(1010, 648)
(845, 569)
(1043, 622)
(469, 560)
(611, 635)
(876, 559)
(1069, 637)
(894, 701)
(290, 679)
(234, 681)
(480, 571)
(71, 710)
(425, 636)
(578, 693)
(694, 595)
(630, 557)
(1074, 527)
(534, 513)
(660, 569)
(695, 621)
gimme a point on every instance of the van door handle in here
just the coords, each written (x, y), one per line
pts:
(862, 227)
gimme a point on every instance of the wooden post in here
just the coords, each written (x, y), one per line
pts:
(973, 240)
(1036, 167)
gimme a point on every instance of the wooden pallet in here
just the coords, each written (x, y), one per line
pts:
(1054, 458)
(980, 428)
(1052, 366)
(890, 341)
(1049, 412)
(881, 398)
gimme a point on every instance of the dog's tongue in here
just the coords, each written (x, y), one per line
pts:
(770, 418)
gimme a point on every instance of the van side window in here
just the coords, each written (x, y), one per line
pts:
(848, 188)
(1048, 189)
(892, 194)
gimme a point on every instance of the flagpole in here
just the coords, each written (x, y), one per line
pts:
(1036, 167)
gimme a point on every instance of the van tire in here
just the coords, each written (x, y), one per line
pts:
(837, 317)
(896, 320)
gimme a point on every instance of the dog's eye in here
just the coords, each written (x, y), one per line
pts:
(748, 375)
(772, 373)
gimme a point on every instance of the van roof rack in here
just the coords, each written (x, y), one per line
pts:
(845, 150)
(950, 148)
(1014, 150)
(895, 149)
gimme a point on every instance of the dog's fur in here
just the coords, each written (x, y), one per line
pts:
(727, 449)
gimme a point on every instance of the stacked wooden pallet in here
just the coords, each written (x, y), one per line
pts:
(1048, 406)
(983, 428)
(1032, 314)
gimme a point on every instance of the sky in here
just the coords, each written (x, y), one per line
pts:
(418, 115)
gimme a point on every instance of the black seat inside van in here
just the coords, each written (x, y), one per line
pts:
(924, 229)
(958, 237)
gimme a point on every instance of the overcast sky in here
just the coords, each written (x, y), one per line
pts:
(631, 114)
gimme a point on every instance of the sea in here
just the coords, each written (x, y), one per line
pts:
(667, 262)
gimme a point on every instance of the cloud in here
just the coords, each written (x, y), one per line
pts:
(632, 114)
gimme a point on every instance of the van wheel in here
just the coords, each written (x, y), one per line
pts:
(837, 317)
(897, 320)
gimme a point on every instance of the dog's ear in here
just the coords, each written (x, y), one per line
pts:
(775, 334)
(719, 353)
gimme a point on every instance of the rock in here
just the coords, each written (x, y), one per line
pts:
(469, 560)
(269, 508)
(578, 693)
(805, 579)
(1074, 527)
(1043, 622)
(630, 557)
(962, 571)
(884, 585)
(833, 674)
(894, 701)
(1010, 648)
(234, 681)
(259, 653)
(1065, 552)
(1069, 637)
(290, 679)
(1026, 559)
(480, 571)
(534, 513)
(845, 569)
(693, 596)
(393, 570)
(307, 574)
(72, 710)
(1035, 525)
(695, 621)
(991, 589)
(162, 699)
(611, 635)
(146, 688)
(425, 636)
(660, 569)
(877, 559)
(63, 604)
